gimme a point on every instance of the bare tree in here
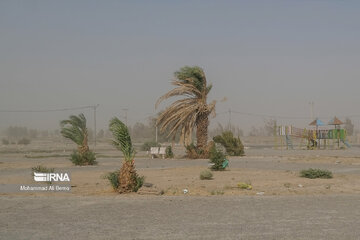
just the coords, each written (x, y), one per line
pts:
(270, 126)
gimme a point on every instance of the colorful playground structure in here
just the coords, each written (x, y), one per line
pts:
(315, 138)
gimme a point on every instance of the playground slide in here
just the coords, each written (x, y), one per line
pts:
(347, 144)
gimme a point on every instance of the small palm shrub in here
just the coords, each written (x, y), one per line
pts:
(232, 145)
(217, 158)
(128, 179)
(147, 145)
(82, 159)
(206, 175)
(193, 152)
(113, 178)
(75, 129)
(42, 169)
(24, 141)
(315, 173)
(168, 152)
(139, 180)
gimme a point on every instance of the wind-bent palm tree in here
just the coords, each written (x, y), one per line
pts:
(192, 110)
(75, 129)
(122, 141)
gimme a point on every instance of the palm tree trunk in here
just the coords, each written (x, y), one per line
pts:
(127, 177)
(202, 131)
(84, 148)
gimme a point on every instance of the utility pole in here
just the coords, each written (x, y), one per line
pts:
(125, 110)
(94, 107)
(311, 110)
(229, 119)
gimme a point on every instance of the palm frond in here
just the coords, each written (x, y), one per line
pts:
(183, 114)
(187, 90)
(195, 75)
(122, 139)
(74, 128)
(73, 134)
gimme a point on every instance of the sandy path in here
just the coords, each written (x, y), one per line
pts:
(216, 217)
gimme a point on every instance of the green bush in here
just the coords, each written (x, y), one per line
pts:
(316, 173)
(83, 159)
(113, 178)
(206, 175)
(147, 145)
(217, 158)
(193, 152)
(243, 185)
(5, 141)
(139, 182)
(232, 145)
(217, 192)
(42, 169)
(24, 141)
(168, 152)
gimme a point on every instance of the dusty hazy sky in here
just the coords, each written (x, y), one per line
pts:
(269, 57)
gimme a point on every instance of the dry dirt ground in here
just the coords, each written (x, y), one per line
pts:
(281, 204)
(180, 217)
(171, 177)
(270, 172)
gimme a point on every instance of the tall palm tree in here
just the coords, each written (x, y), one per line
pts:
(192, 110)
(75, 129)
(122, 141)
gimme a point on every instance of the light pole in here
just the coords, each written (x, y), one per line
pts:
(156, 134)
(229, 119)
(94, 107)
(125, 110)
(311, 110)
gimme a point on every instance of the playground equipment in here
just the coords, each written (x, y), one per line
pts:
(315, 137)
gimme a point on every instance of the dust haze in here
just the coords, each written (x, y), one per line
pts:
(270, 60)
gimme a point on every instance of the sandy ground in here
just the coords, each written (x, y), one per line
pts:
(269, 171)
(281, 205)
(180, 217)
